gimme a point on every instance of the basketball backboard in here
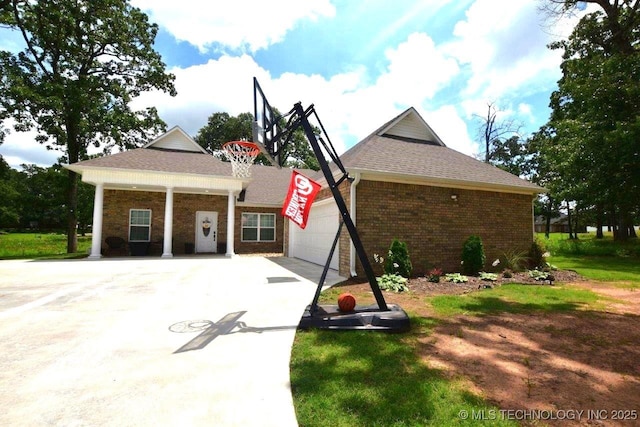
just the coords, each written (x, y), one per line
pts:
(266, 129)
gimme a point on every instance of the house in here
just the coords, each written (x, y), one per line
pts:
(409, 185)
(557, 225)
(172, 197)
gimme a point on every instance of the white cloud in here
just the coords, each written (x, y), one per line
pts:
(22, 148)
(235, 24)
(348, 108)
(505, 49)
(417, 70)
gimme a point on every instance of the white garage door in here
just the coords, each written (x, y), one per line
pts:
(314, 242)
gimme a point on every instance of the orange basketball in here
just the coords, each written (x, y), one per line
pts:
(346, 302)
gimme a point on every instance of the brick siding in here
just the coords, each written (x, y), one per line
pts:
(116, 220)
(434, 226)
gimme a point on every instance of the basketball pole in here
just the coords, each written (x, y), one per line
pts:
(340, 203)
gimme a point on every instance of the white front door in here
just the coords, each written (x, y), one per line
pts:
(206, 231)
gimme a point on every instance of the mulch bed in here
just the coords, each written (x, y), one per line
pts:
(422, 286)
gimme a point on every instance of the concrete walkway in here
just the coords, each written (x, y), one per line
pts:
(200, 341)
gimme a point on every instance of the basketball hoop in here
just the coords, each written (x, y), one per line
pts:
(242, 154)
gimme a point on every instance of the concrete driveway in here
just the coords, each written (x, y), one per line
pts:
(200, 341)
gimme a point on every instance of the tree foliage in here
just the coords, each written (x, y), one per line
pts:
(592, 141)
(84, 62)
(221, 127)
(34, 198)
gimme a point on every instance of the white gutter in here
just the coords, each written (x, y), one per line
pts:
(352, 212)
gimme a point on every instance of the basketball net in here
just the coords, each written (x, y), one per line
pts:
(242, 155)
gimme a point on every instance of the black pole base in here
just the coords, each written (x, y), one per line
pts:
(371, 318)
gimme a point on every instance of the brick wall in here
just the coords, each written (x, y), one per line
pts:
(118, 203)
(434, 226)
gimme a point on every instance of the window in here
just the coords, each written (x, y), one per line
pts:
(139, 225)
(258, 227)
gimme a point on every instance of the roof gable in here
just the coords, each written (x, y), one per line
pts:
(400, 151)
(176, 139)
(411, 126)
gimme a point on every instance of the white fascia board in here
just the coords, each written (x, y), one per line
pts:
(120, 177)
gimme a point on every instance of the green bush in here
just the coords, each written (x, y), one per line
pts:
(398, 261)
(515, 260)
(488, 277)
(456, 278)
(392, 282)
(473, 257)
(536, 256)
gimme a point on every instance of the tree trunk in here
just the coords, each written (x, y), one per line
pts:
(622, 230)
(569, 221)
(631, 232)
(599, 222)
(73, 151)
(72, 214)
(547, 227)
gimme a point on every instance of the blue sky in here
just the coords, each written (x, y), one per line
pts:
(360, 62)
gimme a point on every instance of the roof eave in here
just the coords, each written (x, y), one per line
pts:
(372, 175)
(153, 178)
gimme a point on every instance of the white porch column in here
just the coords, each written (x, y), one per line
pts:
(231, 220)
(96, 232)
(168, 224)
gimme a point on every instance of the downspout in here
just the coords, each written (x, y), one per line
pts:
(352, 212)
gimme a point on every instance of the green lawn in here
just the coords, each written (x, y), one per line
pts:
(604, 268)
(516, 298)
(360, 378)
(598, 259)
(40, 245)
(367, 379)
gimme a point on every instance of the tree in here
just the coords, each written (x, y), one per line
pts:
(222, 127)
(496, 134)
(9, 205)
(84, 61)
(596, 112)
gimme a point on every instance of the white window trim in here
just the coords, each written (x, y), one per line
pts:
(258, 227)
(138, 225)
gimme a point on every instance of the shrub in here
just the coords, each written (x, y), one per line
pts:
(456, 278)
(488, 277)
(434, 275)
(472, 256)
(516, 260)
(398, 261)
(541, 275)
(536, 256)
(392, 282)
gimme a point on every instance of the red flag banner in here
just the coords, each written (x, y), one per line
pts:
(299, 199)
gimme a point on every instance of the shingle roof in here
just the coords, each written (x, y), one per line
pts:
(427, 161)
(268, 186)
(149, 159)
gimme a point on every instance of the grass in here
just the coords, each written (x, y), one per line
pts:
(598, 259)
(40, 245)
(514, 298)
(609, 269)
(359, 378)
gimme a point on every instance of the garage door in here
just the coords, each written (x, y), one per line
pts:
(314, 242)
